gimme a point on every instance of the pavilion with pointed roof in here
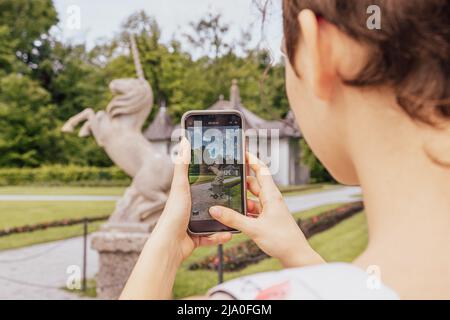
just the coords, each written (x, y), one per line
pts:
(290, 169)
(160, 130)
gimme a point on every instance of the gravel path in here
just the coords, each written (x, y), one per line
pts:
(40, 271)
(320, 198)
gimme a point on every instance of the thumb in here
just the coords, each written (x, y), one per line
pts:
(179, 196)
(232, 219)
(180, 181)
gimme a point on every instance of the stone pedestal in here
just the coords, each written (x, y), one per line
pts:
(119, 250)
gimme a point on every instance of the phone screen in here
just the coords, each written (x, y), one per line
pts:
(216, 171)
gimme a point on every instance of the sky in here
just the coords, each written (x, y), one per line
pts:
(100, 20)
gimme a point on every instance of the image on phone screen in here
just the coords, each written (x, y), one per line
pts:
(216, 174)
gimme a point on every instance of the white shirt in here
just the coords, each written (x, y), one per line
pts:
(341, 281)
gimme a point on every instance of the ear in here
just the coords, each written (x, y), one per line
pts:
(317, 45)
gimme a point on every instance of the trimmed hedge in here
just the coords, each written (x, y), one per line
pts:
(63, 175)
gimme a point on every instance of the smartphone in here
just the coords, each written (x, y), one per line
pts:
(217, 171)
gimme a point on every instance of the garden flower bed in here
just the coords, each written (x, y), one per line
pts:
(246, 253)
(50, 224)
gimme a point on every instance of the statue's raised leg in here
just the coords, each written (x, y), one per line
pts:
(71, 124)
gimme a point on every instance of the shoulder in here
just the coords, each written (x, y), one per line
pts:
(326, 281)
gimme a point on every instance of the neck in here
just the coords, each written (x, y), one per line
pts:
(407, 206)
(407, 200)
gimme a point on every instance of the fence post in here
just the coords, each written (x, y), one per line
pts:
(220, 265)
(85, 233)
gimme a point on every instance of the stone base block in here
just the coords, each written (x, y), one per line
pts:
(118, 253)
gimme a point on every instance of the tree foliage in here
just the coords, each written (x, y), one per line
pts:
(318, 172)
(43, 82)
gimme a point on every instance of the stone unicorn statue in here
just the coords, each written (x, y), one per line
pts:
(118, 131)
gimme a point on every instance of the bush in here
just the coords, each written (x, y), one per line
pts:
(64, 175)
(318, 173)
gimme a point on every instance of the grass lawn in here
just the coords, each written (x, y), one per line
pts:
(63, 190)
(341, 243)
(90, 290)
(201, 179)
(52, 234)
(117, 191)
(315, 211)
(344, 242)
(14, 213)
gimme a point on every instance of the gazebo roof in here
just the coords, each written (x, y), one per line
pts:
(161, 128)
(288, 126)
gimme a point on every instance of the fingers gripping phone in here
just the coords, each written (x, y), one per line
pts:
(217, 169)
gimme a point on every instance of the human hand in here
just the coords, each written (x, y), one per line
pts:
(268, 222)
(171, 229)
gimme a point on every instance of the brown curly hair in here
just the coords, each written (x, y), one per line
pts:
(410, 52)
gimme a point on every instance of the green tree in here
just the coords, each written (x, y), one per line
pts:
(44, 82)
(31, 20)
(318, 172)
(73, 81)
(7, 57)
(28, 136)
(208, 35)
